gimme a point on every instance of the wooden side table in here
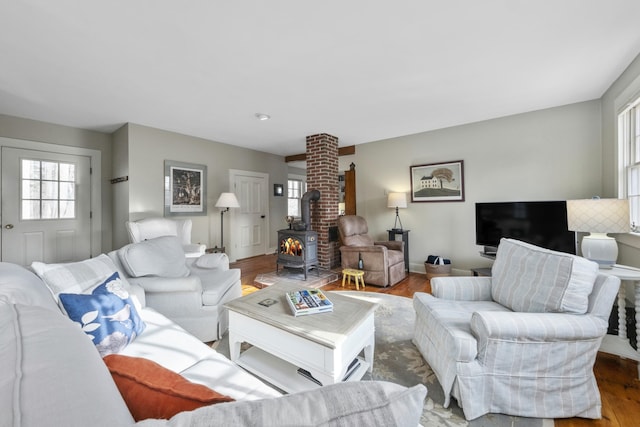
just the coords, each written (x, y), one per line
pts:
(358, 275)
(405, 238)
(619, 344)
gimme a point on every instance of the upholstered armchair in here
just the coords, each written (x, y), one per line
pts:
(190, 291)
(383, 261)
(150, 228)
(522, 342)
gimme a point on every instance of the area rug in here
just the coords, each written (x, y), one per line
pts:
(315, 278)
(396, 359)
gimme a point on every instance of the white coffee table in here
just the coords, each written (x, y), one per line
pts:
(323, 344)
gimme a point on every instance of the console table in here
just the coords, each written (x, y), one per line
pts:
(405, 238)
(619, 344)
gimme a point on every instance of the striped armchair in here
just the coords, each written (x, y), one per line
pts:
(522, 342)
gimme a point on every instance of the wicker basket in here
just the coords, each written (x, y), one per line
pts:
(437, 270)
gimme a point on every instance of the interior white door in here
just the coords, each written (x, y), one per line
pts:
(250, 221)
(46, 206)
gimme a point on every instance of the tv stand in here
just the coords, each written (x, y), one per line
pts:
(491, 255)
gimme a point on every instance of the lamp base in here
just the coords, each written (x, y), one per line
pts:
(600, 248)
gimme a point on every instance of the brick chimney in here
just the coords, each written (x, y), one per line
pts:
(322, 175)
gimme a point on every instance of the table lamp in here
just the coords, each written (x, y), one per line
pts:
(397, 200)
(599, 217)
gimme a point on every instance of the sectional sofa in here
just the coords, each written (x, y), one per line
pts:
(54, 372)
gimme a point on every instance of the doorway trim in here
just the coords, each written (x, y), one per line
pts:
(233, 175)
(96, 179)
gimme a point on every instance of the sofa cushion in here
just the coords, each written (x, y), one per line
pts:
(76, 277)
(527, 278)
(152, 391)
(51, 374)
(359, 403)
(162, 256)
(107, 315)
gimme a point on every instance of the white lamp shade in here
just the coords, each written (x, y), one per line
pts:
(397, 200)
(227, 200)
(598, 215)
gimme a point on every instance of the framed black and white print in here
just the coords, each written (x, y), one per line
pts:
(438, 182)
(184, 189)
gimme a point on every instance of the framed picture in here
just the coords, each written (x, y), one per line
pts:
(278, 190)
(184, 189)
(438, 182)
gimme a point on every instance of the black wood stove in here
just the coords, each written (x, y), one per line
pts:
(298, 246)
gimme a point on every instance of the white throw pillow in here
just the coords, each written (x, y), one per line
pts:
(76, 277)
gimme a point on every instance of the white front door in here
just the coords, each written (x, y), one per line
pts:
(250, 221)
(46, 206)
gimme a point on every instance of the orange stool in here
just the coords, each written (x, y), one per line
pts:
(358, 275)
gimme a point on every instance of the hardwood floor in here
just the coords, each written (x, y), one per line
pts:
(617, 377)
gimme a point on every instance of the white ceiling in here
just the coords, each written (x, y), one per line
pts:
(362, 70)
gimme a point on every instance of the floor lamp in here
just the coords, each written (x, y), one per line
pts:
(225, 201)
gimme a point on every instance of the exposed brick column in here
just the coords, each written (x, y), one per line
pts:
(322, 175)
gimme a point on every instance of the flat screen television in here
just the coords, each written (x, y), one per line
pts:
(540, 223)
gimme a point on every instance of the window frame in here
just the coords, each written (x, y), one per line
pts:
(303, 188)
(628, 127)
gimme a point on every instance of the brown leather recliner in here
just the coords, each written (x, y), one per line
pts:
(383, 262)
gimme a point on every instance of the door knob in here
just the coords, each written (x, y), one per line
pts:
(8, 226)
(262, 216)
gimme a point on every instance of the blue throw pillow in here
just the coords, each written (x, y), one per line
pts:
(107, 315)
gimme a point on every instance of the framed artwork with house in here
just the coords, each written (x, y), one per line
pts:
(184, 189)
(438, 182)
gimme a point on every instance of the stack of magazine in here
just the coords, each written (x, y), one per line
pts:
(308, 301)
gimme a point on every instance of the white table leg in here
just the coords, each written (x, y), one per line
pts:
(368, 352)
(622, 313)
(234, 347)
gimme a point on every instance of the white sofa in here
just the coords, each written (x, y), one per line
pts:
(189, 291)
(53, 375)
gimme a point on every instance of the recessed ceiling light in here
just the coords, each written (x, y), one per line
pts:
(262, 116)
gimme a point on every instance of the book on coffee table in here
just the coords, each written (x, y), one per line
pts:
(308, 301)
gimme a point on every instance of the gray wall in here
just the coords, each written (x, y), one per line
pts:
(552, 154)
(31, 130)
(558, 153)
(147, 149)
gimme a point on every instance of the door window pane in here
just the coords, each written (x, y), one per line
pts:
(67, 209)
(30, 169)
(50, 171)
(67, 191)
(47, 190)
(30, 189)
(67, 172)
(49, 209)
(30, 209)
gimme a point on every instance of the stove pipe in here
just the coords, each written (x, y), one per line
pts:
(306, 207)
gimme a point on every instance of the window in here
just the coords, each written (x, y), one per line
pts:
(295, 189)
(47, 190)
